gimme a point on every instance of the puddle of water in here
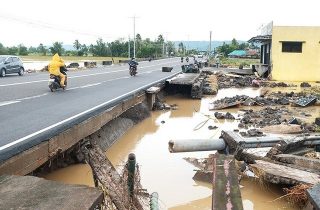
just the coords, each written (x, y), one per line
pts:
(167, 173)
(73, 174)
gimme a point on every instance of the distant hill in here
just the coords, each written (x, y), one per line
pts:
(202, 45)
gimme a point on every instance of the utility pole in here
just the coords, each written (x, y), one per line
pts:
(210, 45)
(188, 45)
(134, 35)
(163, 49)
(129, 47)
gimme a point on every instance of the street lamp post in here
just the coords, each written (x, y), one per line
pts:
(129, 47)
(134, 36)
(210, 46)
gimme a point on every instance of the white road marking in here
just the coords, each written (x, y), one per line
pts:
(32, 97)
(79, 76)
(8, 102)
(77, 115)
(4, 103)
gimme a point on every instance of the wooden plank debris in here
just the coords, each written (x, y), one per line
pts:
(226, 191)
(279, 174)
(314, 196)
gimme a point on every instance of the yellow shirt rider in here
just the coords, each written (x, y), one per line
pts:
(54, 68)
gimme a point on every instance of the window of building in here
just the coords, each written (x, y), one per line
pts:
(294, 47)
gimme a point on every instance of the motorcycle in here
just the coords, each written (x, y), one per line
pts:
(54, 82)
(133, 70)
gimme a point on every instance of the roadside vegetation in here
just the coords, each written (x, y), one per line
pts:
(236, 62)
(221, 55)
(71, 58)
(118, 48)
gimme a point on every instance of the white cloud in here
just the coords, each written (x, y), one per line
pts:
(41, 21)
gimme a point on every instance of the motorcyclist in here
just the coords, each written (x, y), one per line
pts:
(187, 59)
(133, 63)
(54, 68)
(181, 59)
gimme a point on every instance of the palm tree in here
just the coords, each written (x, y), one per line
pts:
(77, 45)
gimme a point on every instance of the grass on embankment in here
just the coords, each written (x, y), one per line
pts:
(236, 62)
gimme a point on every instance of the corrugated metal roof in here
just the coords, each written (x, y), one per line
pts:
(237, 53)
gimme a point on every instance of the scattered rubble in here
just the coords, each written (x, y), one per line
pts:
(305, 84)
(227, 115)
(278, 120)
(236, 81)
(252, 133)
(160, 105)
(272, 99)
(73, 65)
(210, 127)
(90, 64)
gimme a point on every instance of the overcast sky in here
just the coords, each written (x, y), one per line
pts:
(42, 21)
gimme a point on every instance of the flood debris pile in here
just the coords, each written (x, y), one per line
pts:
(290, 161)
(225, 81)
(274, 113)
(272, 99)
(237, 81)
(276, 120)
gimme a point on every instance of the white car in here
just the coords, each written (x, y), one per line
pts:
(200, 56)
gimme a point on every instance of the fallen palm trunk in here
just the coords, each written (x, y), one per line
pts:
(108, 177)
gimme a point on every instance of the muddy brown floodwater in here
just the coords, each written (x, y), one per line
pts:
(167, 173)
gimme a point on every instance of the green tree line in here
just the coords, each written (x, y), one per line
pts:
(225, 49)
(118, 48)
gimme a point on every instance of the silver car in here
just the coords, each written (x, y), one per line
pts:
(10, 64)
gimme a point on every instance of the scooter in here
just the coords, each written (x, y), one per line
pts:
(54, 82)
(132, 70)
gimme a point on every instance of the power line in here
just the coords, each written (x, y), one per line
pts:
(40, 24)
